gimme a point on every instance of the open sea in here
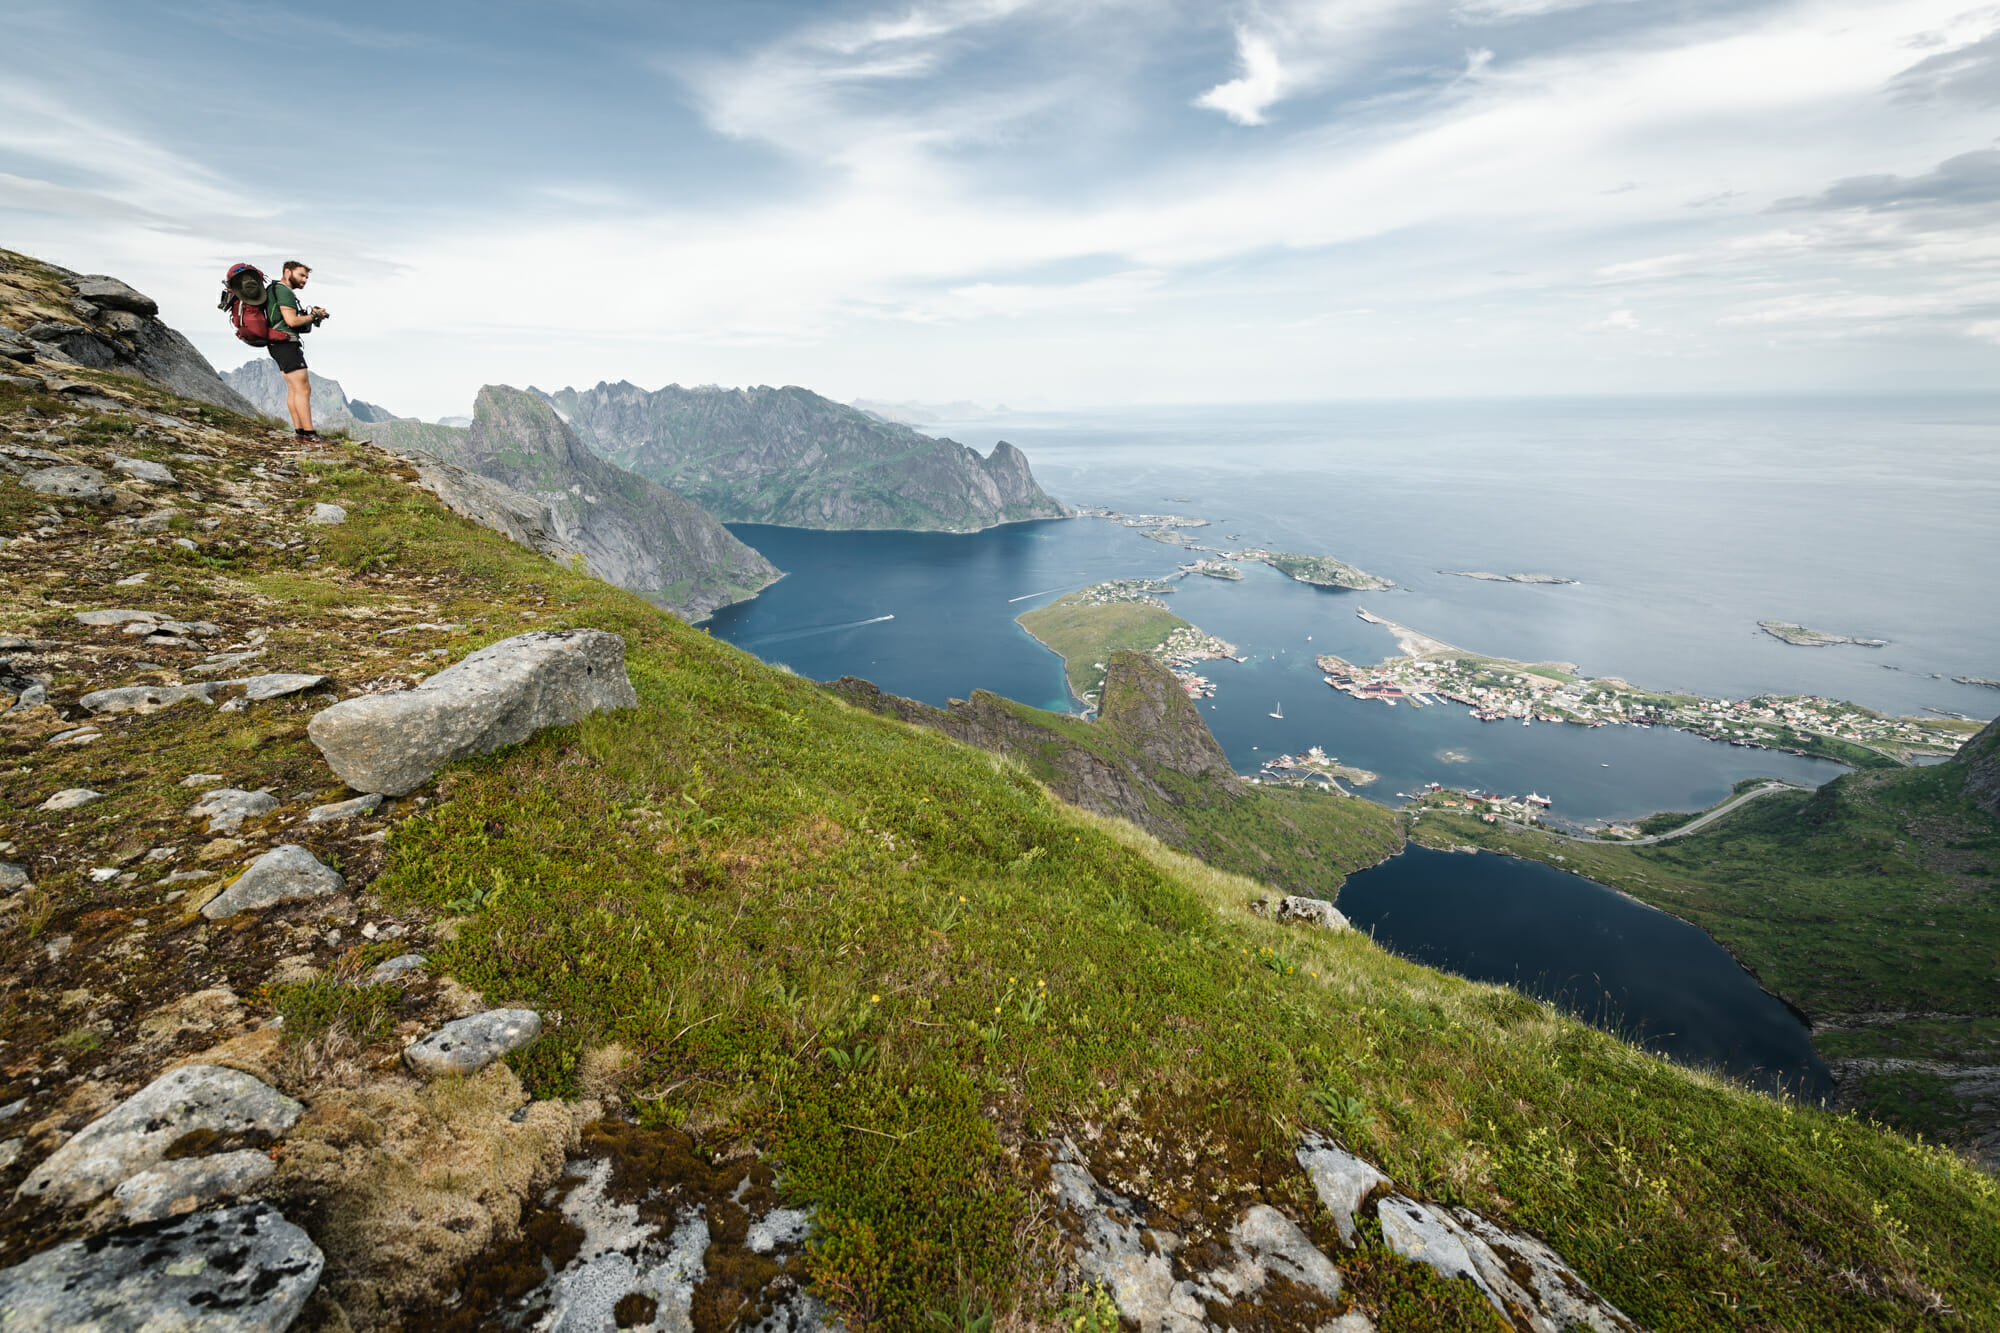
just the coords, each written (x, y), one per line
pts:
(1684, 521)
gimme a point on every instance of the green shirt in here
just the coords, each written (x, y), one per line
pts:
(282, 295)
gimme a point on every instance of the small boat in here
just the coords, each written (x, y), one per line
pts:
(1278, 711)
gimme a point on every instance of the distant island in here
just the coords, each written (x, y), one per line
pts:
(1322, 571)
(1485, 577)
(1978, 680)
(1813, 638)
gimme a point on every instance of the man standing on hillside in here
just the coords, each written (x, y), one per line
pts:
(283, 310)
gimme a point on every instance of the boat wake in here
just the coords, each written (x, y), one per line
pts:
(809, 631)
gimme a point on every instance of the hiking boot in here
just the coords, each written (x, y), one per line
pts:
(308, 437)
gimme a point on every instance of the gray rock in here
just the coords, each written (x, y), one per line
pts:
(1539, 1278)
(393, 743)
(360, 805)
(470, 1044)
(1415, 1232)
(157, 521)
(1343, 1182)
(71, 797)
(283, 874)
(141, 470)
(327, 515)
(1312, 912)
(400, 965)
(1139, 1265)
(173, 1188)
(117, 617)
(226, 808)
(71, 483)
(207, 629)
(239, 1270)
(112, 294)
(14, 347)
(136, 1134)
(145, 698)
(12, 876)
(10, 1152)
(34, 696)
(277, 686)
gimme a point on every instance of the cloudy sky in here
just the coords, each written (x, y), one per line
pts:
(1059, 202)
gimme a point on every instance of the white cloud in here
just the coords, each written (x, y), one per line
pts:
(1245, 98)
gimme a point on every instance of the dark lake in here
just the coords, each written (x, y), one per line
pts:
(1611, 961)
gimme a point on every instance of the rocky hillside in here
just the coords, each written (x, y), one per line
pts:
(630, 531)
(263, 387)
(402, 929)
(789, 456)
(1150, 758)
(57, 319)
(1980, 758)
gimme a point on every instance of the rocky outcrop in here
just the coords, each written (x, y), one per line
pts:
(1980, 758)
(103, 324)
(631, 531)
(1156, 752)
(505, 692)
(1263, 1265)
(259, 381)
(194, 1102)
(1526, 1282)
(790, 456)
(521, 519)
(241, 1270)
(1171, 1270)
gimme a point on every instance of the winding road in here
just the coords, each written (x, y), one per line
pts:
(1692, 826)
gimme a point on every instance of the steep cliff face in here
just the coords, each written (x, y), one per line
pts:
(1151, 760)
(1981, 758)
(260, 383)
(99, 322)
(790, 456)
(631, 531)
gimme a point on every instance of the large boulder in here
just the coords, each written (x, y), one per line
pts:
(112, 294)
(506, 692)
(195, 1100)
(240, 1270)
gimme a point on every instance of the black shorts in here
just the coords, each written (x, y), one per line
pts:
(289, 355)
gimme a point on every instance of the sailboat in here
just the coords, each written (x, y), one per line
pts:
(1278, 712)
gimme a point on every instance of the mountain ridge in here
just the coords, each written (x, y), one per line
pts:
(793, 457)
(631, 531)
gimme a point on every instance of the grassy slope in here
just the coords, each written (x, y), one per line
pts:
(1084, 636)
(1304, 840)
(1875, 895)
(894, 962)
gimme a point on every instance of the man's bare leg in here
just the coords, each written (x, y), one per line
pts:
(298, 399)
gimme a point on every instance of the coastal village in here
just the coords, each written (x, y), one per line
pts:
(1500, 690)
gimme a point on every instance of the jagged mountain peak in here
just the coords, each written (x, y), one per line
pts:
(791, 456)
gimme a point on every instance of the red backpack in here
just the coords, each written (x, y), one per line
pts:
(243, 296)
